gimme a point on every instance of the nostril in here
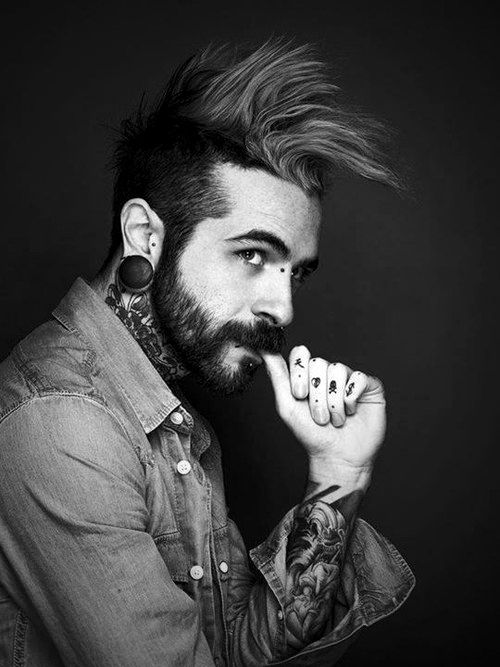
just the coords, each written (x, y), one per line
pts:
(269, 319)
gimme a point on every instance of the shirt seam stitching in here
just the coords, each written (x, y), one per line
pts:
(85, 397)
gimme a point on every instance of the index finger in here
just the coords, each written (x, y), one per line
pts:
(299, 371)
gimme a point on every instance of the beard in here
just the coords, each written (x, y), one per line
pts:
(200, 341)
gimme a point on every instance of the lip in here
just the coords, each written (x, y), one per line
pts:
(256, 358)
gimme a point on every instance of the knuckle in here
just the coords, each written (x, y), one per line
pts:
(318, 362)
(339, 369)
(300, 349)
(299, 358)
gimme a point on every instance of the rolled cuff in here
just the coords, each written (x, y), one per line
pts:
(375, 581)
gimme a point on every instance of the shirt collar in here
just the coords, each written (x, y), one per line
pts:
(86, 314)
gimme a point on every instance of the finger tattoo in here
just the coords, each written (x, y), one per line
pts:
(333, 387)
(298, 362)
(350, 389)
(316, 382)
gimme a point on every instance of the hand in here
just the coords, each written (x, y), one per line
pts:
(338, 415)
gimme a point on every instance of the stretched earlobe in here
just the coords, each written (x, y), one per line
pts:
(135, 274)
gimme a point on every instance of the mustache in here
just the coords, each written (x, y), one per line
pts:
(260, 336)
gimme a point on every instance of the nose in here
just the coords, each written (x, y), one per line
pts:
(274, 302)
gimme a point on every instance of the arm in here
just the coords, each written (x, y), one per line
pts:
(315, 554)
(323, 573)
(373, 583)
(75, 550)
(339, 417)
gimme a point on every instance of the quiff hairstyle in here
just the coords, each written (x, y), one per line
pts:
(273, 108)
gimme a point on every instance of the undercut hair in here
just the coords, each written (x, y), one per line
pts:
(273, 108)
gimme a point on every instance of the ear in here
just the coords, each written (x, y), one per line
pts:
(142, 230)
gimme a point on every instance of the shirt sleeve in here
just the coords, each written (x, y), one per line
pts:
(375, 581)
(74, 541)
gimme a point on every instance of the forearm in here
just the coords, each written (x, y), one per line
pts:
(369, 582)
(316, 547)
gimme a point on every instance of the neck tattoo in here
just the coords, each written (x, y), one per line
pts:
(136, 313)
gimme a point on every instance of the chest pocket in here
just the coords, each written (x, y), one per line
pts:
(172, 551)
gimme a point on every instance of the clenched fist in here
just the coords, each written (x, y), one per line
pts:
(337, 414)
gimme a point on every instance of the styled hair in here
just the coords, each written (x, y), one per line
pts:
(273, 108)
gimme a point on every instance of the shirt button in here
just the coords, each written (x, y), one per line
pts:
(176, 418)
(223, 566)
(183, 467)
(196, 572)
(280, 614)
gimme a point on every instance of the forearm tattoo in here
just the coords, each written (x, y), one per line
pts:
(137, 315)
(315, 553)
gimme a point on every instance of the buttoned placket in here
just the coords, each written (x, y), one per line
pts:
(220, 594)
(196, 527)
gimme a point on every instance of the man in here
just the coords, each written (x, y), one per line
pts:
(116, 545)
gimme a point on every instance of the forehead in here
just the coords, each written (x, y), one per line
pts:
(259, 200)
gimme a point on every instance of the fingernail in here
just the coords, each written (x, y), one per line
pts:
(337, 419)
(299, 391)
(320, 416)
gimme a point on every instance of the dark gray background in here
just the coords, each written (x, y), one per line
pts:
(404, 290)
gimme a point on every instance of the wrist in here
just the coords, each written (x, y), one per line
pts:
(326, 472)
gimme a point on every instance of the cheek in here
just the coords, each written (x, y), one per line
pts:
(218, 288)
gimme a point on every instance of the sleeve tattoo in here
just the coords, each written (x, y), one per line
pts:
(314, 558)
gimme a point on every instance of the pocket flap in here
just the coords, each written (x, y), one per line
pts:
(172, 551)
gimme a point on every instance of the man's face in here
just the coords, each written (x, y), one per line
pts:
(231, 292)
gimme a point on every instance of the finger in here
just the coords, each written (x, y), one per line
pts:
(299, 371)
(355, 386)
(374, 392)
(280, 379)
(318, 404)
(336, 379)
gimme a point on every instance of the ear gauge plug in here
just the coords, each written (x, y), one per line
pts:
(135, 274)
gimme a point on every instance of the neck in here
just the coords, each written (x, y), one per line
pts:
(137, 314)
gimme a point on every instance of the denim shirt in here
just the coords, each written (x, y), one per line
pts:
(116, 547)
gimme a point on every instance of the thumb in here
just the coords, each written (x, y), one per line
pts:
(280, 377)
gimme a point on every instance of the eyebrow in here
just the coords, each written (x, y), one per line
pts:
(263, 236)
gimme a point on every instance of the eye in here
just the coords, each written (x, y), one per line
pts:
(300, 274)
(251, 256)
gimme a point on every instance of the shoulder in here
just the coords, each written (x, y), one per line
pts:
(49, 359)
(51, 433)
(66, 461)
